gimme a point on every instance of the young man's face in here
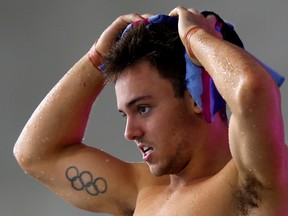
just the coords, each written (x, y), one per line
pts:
(160, 123)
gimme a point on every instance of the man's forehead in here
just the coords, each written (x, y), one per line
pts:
(136, 77)
(130, 91)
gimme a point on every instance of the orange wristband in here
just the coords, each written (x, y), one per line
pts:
(94, 56)
(187, 37)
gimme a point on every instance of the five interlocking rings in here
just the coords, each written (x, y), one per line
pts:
(84, 180)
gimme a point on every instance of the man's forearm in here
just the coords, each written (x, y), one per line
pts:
(61, 118)
(234, 71)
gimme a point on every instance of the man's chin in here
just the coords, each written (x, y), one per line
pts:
(156, 171)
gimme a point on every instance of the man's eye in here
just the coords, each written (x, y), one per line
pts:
(143, 109)
(123, 115)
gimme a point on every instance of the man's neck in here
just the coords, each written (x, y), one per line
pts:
(210, 156)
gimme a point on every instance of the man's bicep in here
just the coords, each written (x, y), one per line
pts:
(257, 144)
(92, 179)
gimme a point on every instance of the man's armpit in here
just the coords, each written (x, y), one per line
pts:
(248, 196)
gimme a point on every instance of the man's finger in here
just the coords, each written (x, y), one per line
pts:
(176, 11)
(194, 11)
(147, 15)
(211, 19)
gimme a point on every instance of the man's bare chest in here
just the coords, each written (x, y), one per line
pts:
(204, 201)
(219, 195)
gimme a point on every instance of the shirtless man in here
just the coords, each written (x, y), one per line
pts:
(191, 167)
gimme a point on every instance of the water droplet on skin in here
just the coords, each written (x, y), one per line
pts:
(36, 176)
(45, 139)
(15, 152)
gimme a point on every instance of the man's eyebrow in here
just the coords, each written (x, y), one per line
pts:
(135, 100)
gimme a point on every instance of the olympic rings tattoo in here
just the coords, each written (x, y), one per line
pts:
(85, 181)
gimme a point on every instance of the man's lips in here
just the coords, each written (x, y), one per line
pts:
(145, 149)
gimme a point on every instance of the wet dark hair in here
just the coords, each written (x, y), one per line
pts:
(227, 30)
(160, 45)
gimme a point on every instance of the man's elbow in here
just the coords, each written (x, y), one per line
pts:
(255, 91)
(24, 158)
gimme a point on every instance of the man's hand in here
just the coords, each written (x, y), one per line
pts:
(189, 18)
(108, 37)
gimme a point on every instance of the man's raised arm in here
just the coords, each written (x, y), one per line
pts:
(50, 146)
(256, 131)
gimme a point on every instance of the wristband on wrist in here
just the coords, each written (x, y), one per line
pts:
(187, 37)
(94, 56)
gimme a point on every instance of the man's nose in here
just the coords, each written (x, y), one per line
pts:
(133, 130)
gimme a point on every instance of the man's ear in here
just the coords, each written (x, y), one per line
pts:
(193, 104)
(196, 109)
